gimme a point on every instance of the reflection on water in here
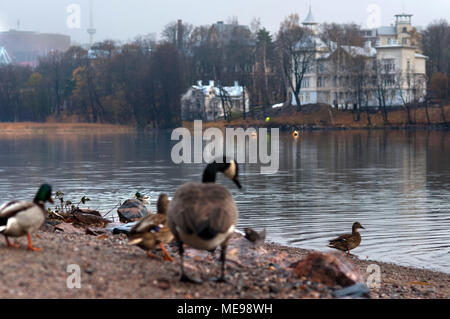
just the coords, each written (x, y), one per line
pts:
(397, 184)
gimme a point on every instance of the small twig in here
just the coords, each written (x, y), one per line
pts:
(55, 213)
(118, 204)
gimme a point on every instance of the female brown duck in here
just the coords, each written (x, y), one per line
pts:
(347, 242)
(152, 230)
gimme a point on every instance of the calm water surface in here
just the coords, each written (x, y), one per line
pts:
(397, 184)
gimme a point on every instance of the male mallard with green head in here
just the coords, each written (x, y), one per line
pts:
(347, 242)
(204, 215)
(152, 230)
(19, 218)
(133, 209)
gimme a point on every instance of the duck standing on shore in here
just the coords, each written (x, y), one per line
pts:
(204, 215)
(133, 209)
(347, 242)
(20, 218)
(152, 230)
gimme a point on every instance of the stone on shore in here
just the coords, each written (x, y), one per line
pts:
(331, 269)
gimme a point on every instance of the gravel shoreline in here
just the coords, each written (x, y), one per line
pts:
(110, 268)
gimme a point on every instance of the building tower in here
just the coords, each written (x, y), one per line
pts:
(91, 31)
(310, 22)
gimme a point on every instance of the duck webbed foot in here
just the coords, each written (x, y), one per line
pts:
(30, 245)
(11, 245)
(167, 256)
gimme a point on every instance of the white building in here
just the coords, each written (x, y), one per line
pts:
(208, 102)
(394, 66)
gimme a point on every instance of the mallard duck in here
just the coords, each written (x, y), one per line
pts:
(204, 215)
(347, 242)
(19, 218)
(133, 209)
(152, 230)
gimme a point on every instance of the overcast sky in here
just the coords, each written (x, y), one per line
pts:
(124, 19)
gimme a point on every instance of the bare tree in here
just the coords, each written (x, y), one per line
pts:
(296, 48)
(404, 83)
(341, 34)
(178, 33)
(436, 45)
(384, 85)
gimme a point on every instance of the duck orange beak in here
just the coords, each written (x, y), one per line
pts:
(50, 200)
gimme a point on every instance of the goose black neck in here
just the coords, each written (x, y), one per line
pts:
(209, 174)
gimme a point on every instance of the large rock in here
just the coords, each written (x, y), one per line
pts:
(332, 269)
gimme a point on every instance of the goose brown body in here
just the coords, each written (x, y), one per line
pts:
(202, 215)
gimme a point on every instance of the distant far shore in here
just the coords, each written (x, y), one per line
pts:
(325, 117)
(32, 128)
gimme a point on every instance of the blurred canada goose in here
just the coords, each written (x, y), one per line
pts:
(152, 230)
(133, 209)
(347, 242)
(204, 215)
(19, 218)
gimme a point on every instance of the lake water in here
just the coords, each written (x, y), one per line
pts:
(396, 183)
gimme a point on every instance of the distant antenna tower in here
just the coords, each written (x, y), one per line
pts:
(91, 31)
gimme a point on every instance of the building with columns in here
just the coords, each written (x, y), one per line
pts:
(389, 69)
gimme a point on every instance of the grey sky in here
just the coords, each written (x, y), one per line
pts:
(124, 19)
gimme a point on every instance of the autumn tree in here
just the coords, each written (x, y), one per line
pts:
(439, 85)
(436, 45)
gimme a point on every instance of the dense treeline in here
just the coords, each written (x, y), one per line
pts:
(137, 83)
(436, 45)
(141, 82)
